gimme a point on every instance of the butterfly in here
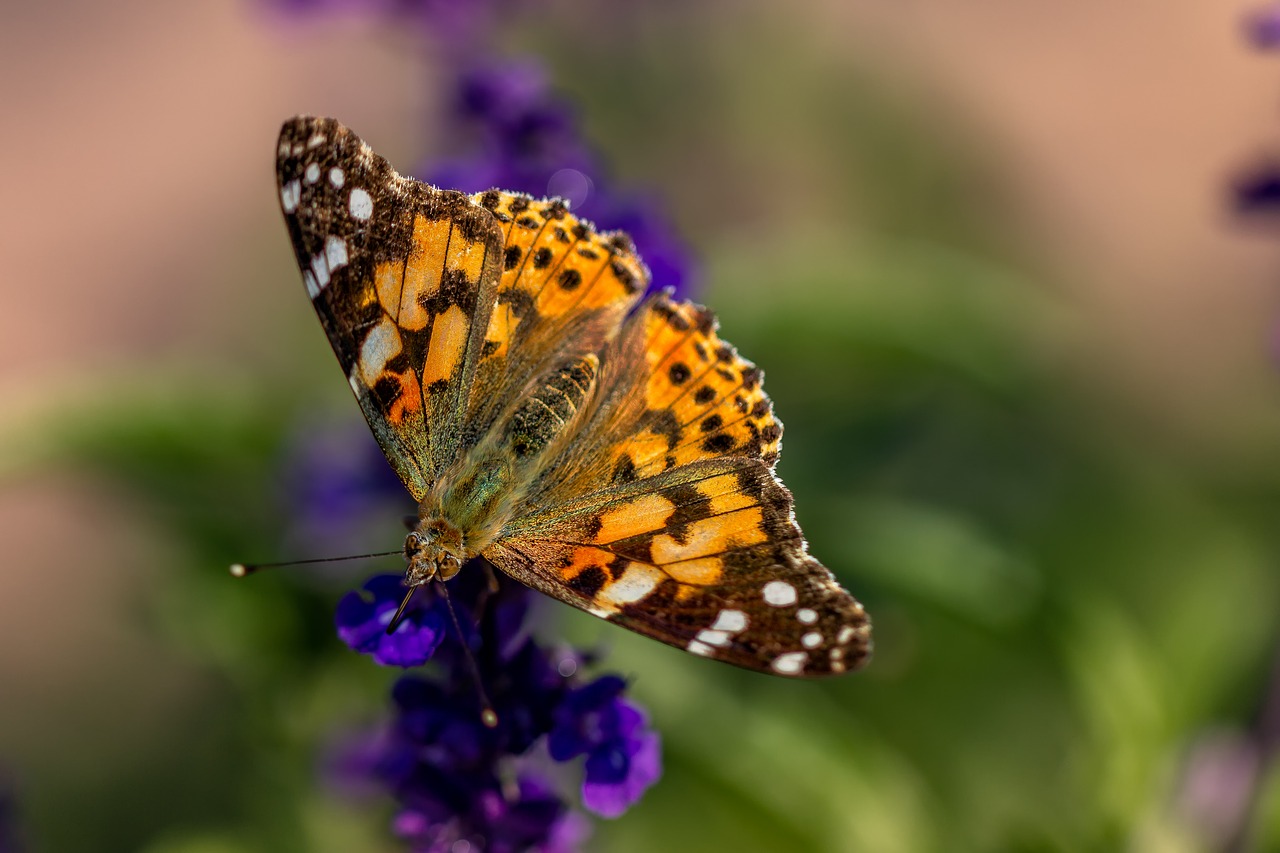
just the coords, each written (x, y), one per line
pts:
(600, 445)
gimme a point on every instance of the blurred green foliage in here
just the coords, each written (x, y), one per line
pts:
(1063, 609)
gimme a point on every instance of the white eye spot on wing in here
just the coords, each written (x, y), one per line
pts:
(779, 593)
(637, 581)
(312, 174)
(361, 204)
(789, 663)
(714, 638)
(811, 640)
(336, 177)
(699, 648)
(806, 616)
(290, 194)
(732, 621)
(335, 252)
(320, 267)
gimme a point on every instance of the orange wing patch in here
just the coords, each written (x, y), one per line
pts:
(703, 399)
(555, 265)
(624, 549)
(704, 557)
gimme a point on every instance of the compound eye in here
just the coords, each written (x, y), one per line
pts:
(452, 562)
(412, 544)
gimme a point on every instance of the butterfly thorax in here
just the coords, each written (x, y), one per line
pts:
(468, 507)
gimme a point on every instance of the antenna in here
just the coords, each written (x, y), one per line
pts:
(240, 570)
(488, 716)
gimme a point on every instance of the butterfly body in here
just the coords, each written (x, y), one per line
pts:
(602, 447)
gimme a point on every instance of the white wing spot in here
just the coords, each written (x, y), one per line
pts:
(779, 593)
(811, 640)
(732, 621)
(637, 581)
(846, 634)
(806, 616)
(321, 268)
(837, 666)
(335, 252)
(336, 177)
(361, 204)
(315, 141)
(837, 653)
(313, 289)
(354, 383)
(312, 174)
(283, 150)
(699, 648)
(789, 663)
(714, 638)
(290, 194)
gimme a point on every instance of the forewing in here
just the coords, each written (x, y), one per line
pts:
(403, 277)
(665, 515)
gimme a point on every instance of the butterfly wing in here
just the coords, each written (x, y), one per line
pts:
(398, 273)
(665, 516)
(564, 291)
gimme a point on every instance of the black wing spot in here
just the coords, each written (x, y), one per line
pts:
(570, 279)
(624, 471)
(679, 373)
(541, 258)
(721, 442)
(711, 424)
(704, 395)
(588, 582)
(511, 257)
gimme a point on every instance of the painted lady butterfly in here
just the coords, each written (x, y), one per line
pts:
(615, 456)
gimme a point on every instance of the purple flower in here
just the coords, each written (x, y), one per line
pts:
(362, 621)
(1262, 26)
(521, 137)
(10, 841)
(456, 25)
(455, 778)
(1258, 190)
(335, 483)
(623, 754)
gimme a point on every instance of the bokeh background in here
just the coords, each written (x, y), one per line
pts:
(987, 255)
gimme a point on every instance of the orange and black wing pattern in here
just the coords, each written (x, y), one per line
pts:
(402, 276)
(666, 517)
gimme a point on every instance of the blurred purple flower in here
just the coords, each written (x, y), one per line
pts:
(335, 482)
(1258, 190)
(521, 137)
(456, 24)
(623, 756)
(1262, 27)
(455, 778)
(10, 841)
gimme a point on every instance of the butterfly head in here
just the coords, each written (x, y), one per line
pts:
(433, 550)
